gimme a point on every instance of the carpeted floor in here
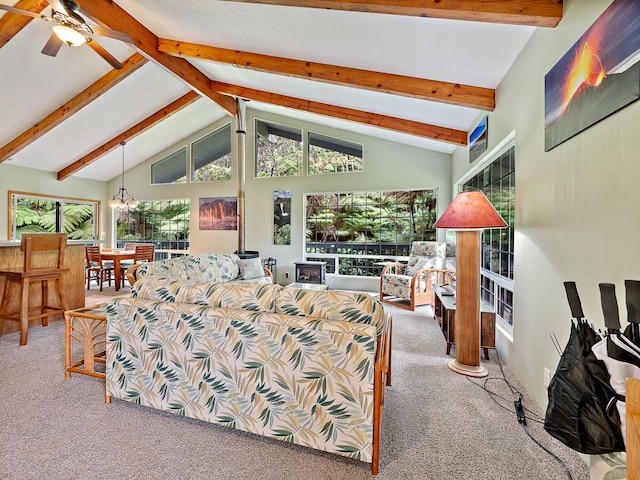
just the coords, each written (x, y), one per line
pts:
(437, 425)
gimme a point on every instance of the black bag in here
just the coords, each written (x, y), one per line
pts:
(581, 412)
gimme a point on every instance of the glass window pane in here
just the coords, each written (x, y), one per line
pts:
(332, 155)
(278, 150)
(171, 169)
(211, 156)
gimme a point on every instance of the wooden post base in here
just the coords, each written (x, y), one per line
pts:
(468, 370)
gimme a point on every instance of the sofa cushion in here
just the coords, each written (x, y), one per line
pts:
(250, 268)
(248, 296)
(331, 305)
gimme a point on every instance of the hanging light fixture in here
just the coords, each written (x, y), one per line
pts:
(123, 199)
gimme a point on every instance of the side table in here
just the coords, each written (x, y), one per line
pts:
(444, 309)
(86, 326)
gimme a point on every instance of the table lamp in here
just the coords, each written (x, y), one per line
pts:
(468, 215)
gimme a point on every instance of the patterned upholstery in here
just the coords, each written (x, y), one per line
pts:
(409, 285)
(208, 267)
(305, 376)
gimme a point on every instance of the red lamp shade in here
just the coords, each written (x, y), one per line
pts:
(470, 210)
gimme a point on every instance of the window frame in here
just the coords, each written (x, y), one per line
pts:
(165, 158)
(499, 281)
(191, 157)
(13, 196)
(282, 127)
(327, 139)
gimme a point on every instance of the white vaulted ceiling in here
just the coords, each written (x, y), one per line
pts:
(33, 85)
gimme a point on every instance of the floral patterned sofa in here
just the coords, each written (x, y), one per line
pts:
(208, 267)
(302, 366)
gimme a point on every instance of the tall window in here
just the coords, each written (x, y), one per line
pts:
(332, 155)
(211, 156)
(354, 231)
(34, 213)
(171, 169)
(278, 150)
(498, 182)
(165, 223)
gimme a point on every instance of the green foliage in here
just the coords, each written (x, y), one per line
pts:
(280, 158)
(282, 234)
(36, 216)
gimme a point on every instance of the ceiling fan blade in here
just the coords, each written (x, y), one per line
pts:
(52, 47)
(100, 50)
(107, 32)
(19, 11)
(58, 6)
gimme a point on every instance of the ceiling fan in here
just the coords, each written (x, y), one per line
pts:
(71, 29)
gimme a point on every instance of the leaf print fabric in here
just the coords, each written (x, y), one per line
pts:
(300, 379)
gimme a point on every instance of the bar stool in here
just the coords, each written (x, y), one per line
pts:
(45, 269)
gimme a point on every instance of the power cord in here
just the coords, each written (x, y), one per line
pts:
(519, 409)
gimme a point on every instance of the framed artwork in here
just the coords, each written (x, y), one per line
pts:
(282, 217)
(478, 139)
(598, 76)
(218, 213)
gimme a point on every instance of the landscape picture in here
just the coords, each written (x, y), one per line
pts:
(282, 217)
(478, 139)
(218, 213)
(598, 76)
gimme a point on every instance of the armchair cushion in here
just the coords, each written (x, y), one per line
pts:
(423, 263)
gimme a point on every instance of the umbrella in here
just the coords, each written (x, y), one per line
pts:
(618, 352)
(580, 411)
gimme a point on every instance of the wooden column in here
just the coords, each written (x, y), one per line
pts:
(467, 325)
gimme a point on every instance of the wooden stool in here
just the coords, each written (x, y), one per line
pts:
(47, 269)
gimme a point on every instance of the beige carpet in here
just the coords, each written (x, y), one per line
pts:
(437, 425)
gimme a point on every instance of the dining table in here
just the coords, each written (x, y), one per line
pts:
(116, 256)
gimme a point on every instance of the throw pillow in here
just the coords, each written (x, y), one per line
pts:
(250, 268)
(424, 263)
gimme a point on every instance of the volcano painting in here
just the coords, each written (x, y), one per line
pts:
(598, 76)
(218, 213)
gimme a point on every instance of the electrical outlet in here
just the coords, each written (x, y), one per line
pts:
(286, 275)
(547, 377)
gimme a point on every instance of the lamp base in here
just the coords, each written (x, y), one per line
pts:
(468, 370)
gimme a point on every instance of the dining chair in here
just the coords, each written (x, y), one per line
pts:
(43, 261)
(96, 268)
(144, 252)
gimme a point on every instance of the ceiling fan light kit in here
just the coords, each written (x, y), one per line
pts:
(68, 35)
(71, 29)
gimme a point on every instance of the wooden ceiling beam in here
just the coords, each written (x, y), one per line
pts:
(132, 132)
(434, 132)
(88, 95)
(432, 90)
(12, 23)
(110, 14)
(535, 13)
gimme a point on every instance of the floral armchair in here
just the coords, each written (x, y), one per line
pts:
(409, 285)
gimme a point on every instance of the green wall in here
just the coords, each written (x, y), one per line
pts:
(388, 165)
(30, 180)
(577, 206)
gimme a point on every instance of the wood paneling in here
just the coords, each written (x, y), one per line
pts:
(11, 257)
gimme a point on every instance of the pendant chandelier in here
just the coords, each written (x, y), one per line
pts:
(123, 199)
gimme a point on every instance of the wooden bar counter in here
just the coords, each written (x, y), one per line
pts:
(11, 257)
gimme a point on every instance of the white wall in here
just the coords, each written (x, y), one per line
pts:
(577, 206)
(30, 180)
(388, 165)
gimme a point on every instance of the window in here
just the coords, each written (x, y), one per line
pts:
(332, 155)
(278, 150)
(211, 156)
(34, 213)
(354, 231)
(498, 182)
(164, 223)
(171, 169)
